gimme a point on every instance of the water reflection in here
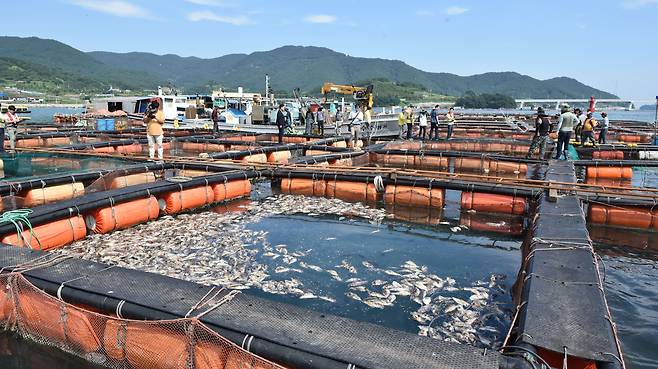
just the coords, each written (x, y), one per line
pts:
(18, 353)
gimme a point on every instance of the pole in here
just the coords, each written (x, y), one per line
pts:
(267, 88)
(655, 125)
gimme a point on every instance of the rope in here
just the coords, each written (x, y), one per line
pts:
(379, 184)
(19, 218)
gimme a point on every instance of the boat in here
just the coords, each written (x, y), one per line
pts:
(20, 109)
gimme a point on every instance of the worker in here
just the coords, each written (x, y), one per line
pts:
(401, 121)
(309, 120)
(355, 120)
(321, 120)
(409, 120)
(542, 130)
(565, 127)
(578, 128)
(587, 134)
(216, 113)
(434, 122)
(154, 119)
(11, 120)
(2, 133)
(605, 124)
(339, 121)
(422, 124)
(450, 118)
(281, 120)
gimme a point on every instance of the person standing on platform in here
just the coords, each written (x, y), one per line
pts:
(450, 118)
(401, 121)
(281, 120)
(355, 121)
(216, 113)
(11, 120)
(605, 124)
(434, 122)
(154, 119)
(321, 121)
(542, 130)
(422, 124)
(409, 120)
(564, 129)
(2, 133)
(310, 121)
(587, 134)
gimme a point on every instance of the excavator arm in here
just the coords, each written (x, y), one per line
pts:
(363, 95)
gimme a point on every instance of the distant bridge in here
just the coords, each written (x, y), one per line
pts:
(520, 103)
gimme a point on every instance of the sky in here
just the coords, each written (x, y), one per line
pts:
(608, 44)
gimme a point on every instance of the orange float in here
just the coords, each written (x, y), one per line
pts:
(414, 196)
(623, 216)
(608, 155)
(281, 157)
(129, 149)
(342, 144)
(193, 146)
(609, 172)
(471, 163)
(301, 186)
(215, 148)
(132, 180)
(44, 316)
(294, 139)
(255, 158)
(487, 223)
(413, 214)
(104, 150)
(507, 167)
(316, 152)
(493, 203)
(53, 141)
(123, 215)
(345, 162)
(430, 162)
(352, 191)
(146, 346)
(50, 236)
(193, 173)
(28, 142)
(175, 202)
(231, 190)
(399, 160)
(40, 196)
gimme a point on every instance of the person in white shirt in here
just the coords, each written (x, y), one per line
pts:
(605, 124)
(11, 120)
(565, 127)
(355, 120)
(422, 123)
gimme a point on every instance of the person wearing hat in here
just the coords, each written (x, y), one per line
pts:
(542, 130)
(565, 125)
(282, 117)
(587, 133)
(409, 120)
(605, 123)
(154, 119)
(10, 120)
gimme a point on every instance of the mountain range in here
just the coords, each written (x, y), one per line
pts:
(288, 67)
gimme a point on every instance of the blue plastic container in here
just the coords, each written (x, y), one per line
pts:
(110, 125)
(100, 125)
(655, 140)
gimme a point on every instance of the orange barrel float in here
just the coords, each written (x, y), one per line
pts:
(134, 148)
(440, 146)
(281, 157)
(317, 152)
(175, 202)
(193, 146)
(45, 195)
(52, 141)
(430, 162)
(255, 158)
(493, 203)
(215, 147)
(351, 191)
(624, 237)
(294, 139)
(511, 225)
(471, 163)
(51, 235)
(123, 215)
(345, 162)
(399, 160)
(41, 315)
(28, 142)
(609, 172)
(630, 138)
(623, 216)
(507, 167)
(231, 190)
(414, 196)
(608, 155)
(192, 173)
(418, 215)
(617, 182)
(104, 150)
(133, 180)
(302, 186)
(404, 145)
(342, 144)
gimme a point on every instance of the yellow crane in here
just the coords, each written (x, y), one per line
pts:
(362, 95)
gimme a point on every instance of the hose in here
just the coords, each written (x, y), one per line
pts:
(18, 218)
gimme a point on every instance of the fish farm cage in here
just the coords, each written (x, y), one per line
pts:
(64, 186)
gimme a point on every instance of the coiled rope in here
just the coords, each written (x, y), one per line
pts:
(19, 218)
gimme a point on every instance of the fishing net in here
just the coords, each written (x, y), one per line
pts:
(115, 342)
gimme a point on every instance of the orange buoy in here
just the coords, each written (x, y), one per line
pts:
(439, 146)
(145, 345)
(40, 196)
(556, 360)
(608, 155)
(134, 148)
(488, 223)
(52, 141)
(414, 196)
(294, 139)
(609, 172)
(104, 150)
(193, 173)
(255, 158)
(316, 152)
(352, 191)
(193, 146)
(493, 203)
(215, 148)
(28, 142)
(175, 202)
(430, 162)
(630, 138)
(342, 144)
(51, 235)
(471, 164)
(497, 166)
(231, 190)
(41, 315)
(406, 145)
(281, 157)
(623, 216)
(123, 215)
(399, 160)
(133, 180)
(302, 186)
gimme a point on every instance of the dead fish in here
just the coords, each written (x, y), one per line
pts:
(327, 298)
(353, 296)
(390, 272)
(334, 275)
(455, 229)
(387, 251)
(308, 295)
(375, 231)
(330, 238)
(281, 269)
